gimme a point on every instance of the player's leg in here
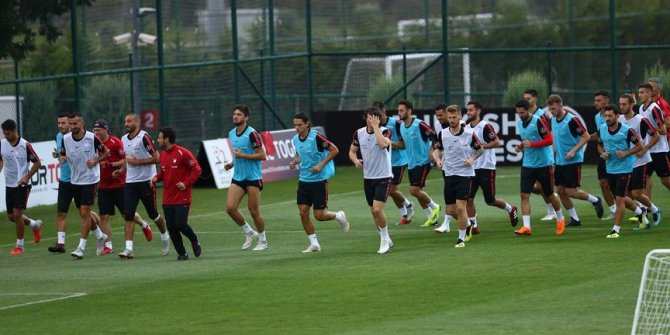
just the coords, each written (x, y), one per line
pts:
(619, 184)
(254, 206)
(605, 189)
(547, 182)
(417, 181)
(169, 212)
(403, 204)
(131, 198)
(526, 185)
(148, 198)
(181, 218)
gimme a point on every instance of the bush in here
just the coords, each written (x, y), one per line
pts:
(39, 110)
(382, 88)
(518, 83)
(657, 70)
(108, 98)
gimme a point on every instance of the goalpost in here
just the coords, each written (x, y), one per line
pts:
(652, 314)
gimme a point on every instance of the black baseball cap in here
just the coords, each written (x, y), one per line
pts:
(101, 124)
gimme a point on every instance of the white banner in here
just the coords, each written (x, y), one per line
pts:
(44, 183)
(219, 154)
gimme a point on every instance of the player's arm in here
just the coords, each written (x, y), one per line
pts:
(353, 152)
(436, 151)
(102, 152)
(577, 129)
(477, 148)
(189, 162)
(295, 161)
(633, 139)
(657, 114)
(33, 158)
(322, 143)
(257, 145)
(400, 143)
(383, 139)
(490, 140)
(160, 175)
(545, 133)
(648, 129)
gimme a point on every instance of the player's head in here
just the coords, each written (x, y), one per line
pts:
(167, 137)
(301, 123)
(530, 95)
(405, 109)
(644, 93)
(600, 99)
(474, 110)
(101, 128)
(656, 85)
(132, 123)
(612, 112)
(441, 114)
(9, 130)
(380, 105)
(454, 116)
(522, 109)
(240, 115)
(372, 112)
(76, 123)
(63, 122)
(555, 105)
(626, 103)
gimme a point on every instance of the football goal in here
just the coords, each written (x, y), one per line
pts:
(652, 314)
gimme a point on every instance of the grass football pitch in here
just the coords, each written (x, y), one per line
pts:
(578, 283)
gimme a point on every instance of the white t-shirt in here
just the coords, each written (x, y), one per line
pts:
(141, 147)
(80, 151)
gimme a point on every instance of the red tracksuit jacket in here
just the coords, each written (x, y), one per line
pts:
(177, 165)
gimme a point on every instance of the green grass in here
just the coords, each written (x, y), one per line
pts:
(579, 283)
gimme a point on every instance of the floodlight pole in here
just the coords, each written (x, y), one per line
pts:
(445, 51)
(137, 94)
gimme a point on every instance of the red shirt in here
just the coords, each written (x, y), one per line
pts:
(116, 153)
(177, 165)
(665, 107)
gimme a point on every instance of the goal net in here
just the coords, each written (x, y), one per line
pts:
(363, 73)
(652, 314)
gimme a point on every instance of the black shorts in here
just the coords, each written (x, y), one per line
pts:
(16, 197)
(65, 196)
(133, 193)
(258, 183)
(418, 175)
(602, 169)
(638, 179)
(457, 188)
(376, 189)
(619, 183)
(660, 162)
(544, 175)
(568, 175)
(398, 171)
(84, 195)
(313, 194)
(486, 179)
(108, 198)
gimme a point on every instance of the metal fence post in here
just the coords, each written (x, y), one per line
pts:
(75, 56)
(236, 50)
(445, 51)
(613, 52)
(549, 66)
(271, 40)
(17, 94)
(310, 79)
(404, 72)
(162, 110)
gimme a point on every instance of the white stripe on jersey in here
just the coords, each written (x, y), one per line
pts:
(662, 144)
(135, 147)
(376, 161)
(78, 152)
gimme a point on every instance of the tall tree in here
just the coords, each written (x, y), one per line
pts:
(22, 20)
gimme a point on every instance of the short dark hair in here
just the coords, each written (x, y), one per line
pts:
(243, 108)
(378, 104)
(373, 111)
(531, 91)
(603, 93)
(523, 103)
(9, 124)
(646, 86)
(477, 104)
(64, 114)
(170, 134)
(302, 116)
(613, 107)
(440, 107)
(406, 103)
(75, 114)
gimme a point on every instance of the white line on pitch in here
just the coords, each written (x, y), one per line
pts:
(70, 295)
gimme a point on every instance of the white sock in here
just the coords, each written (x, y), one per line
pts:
(653, 209)
(461, 234)
(613, 208)
(474, 221)
(33, 224)
(615, 228)
(638, 211)
(129, 245)
(526, 221)
(165, 236)
(384, 233)
(508, 208)
(406, 203)
(559, 215)
(432, 204)
(447, 218)
(592, 199)
(61, 237)
(403, 211)
(428, 212)
(98, 233)
(108, 244)
(338, 216)
(261, 237)
(313, 241)
(247, 228)
(82, 244)
(144, 224)
(19, 243)
(573, 214)
(550, 209)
